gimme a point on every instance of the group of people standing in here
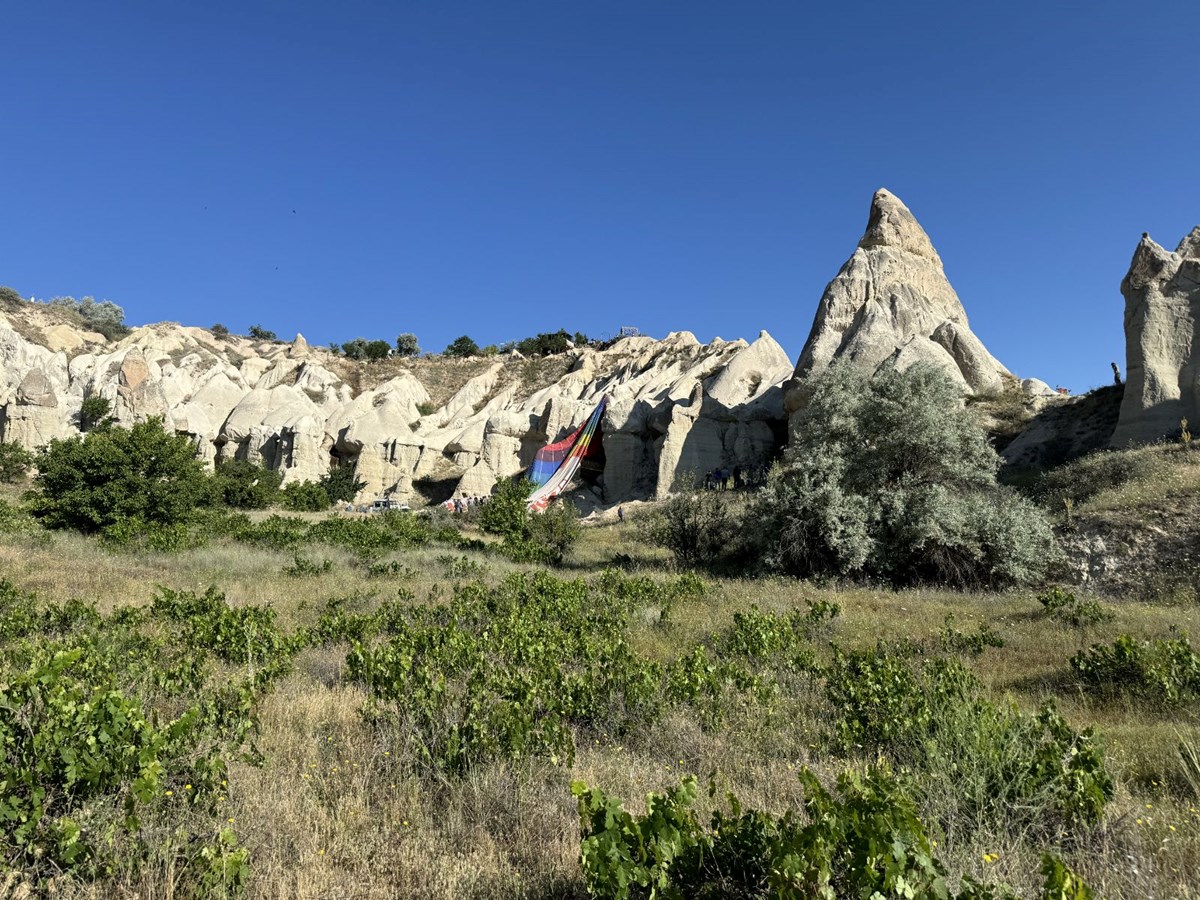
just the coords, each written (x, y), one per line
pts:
(738, 478)
(464, 503)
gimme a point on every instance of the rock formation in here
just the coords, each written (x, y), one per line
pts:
(892, 303)
(677, 408)
(1162, 341)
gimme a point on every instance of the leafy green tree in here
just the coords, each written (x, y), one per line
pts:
(15, 461)
(244, 485)
(305, 496)
(355, 349)
(262, 334)
(94, 413)
(462, 347)
(888, 476)
(115, 474)
(406, 345)
(546, 344)
(376, 350)
(341, 485)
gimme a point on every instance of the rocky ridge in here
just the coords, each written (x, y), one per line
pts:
(676, 406)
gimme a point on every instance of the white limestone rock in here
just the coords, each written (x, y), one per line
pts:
(890, 302)
(1162, 341)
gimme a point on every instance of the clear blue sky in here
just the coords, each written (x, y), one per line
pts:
(503, 168)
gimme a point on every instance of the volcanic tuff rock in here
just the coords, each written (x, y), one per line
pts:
(1162, 341)
(678, 408)
(891, 302)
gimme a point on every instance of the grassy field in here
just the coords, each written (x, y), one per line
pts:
(336, 809)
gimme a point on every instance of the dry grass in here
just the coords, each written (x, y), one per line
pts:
(335, 812)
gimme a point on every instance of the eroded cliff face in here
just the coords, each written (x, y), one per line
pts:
(891, 303)
(677, 408)
(1162, 341)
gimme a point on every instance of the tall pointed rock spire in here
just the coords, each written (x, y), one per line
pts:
(891, 302)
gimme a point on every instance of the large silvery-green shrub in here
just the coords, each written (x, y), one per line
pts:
(889, 476)
(114, 475)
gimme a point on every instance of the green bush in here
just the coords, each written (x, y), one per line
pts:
(262, 334)
(377, 350)
(113, 474)
(341, 484)
(698, 528)
(543, 537)
(406, 345)
(507, 672)
(1003, 764)
(305, 496)
(67, 744)
(114, 737)
(461, 347)
(15, 461)
(303, 568)
(134, 532)
(94, 413)
(1062, 605)
(243, 634)
(548, 343)
(1164, 670)
(889, 477)
(15, 521)
(243, 485)
(864, 841)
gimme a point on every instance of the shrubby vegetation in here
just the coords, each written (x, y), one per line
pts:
(15, 461)
(94, 413)
(529, 537)
(406, 345)
(1063, 606)
(700, 529)
(341, 484)
(865, 840)
(105, 317)
(1073, 484)
(886, 477)
(1165, 670)
(262, 334)
(305, 496)
(109, 729)
(10, 298)
(461, 347)
(241, 484)
(116, 476)
(362, 349)
(548, 343)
